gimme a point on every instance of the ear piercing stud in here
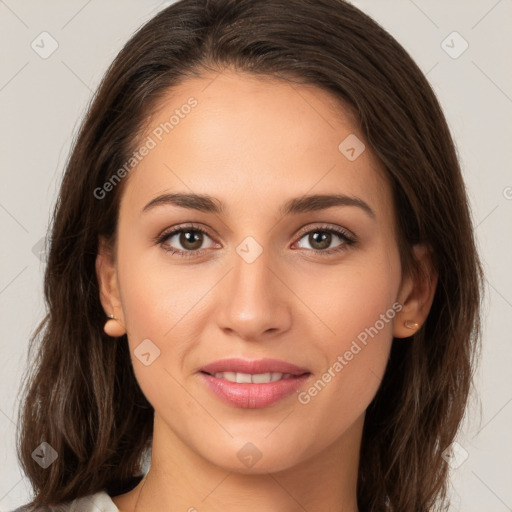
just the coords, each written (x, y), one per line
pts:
(411, 325)
(113, 327)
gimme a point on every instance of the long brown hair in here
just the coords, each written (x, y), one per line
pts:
(81, 395)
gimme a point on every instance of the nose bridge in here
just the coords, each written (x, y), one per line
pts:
(251, 279)
(253, 301)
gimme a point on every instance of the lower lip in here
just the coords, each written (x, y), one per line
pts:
(253, 396)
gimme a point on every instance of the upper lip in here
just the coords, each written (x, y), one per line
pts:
(253, 366)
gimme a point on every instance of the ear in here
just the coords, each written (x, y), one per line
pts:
(106, 273)
(416, 294)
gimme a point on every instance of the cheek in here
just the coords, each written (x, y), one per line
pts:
(154, 301)
(350, 297)
(155, 295)
(162, 302)
(357, 308)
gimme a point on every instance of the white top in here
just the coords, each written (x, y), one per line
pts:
(99, 502)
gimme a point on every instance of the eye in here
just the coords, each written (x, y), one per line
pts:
(190, 238)
(321, 238)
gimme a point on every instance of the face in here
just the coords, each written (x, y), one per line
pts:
(299, 292)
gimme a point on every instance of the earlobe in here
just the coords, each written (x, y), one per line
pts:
(108, 288)
(113, 327)
(416, 294)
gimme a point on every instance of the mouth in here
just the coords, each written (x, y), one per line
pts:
(253, 384)
(251, 378)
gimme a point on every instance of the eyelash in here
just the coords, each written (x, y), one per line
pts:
(347, 240)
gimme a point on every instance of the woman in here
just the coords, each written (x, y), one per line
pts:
(313, 347)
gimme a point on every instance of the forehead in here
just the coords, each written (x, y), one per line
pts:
(257, 140)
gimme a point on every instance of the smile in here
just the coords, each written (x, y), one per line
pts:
(248, 378)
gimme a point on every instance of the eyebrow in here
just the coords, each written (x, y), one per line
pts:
(209, 204)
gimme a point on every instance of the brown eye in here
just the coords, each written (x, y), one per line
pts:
(321, 239)
(184, 241)
(191, 240)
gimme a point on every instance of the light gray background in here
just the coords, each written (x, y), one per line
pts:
(43, 100)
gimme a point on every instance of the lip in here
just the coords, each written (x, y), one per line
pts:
(253, 396)
(253, 366)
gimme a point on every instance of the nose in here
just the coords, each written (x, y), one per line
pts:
(255, 302)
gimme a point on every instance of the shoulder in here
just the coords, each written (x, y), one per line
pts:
(99, 502)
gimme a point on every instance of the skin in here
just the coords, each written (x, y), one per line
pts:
(254, 143)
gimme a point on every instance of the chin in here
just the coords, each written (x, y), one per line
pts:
(256, 456)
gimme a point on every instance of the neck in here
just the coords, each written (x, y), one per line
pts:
(181, 480)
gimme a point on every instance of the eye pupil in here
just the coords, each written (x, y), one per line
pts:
(191, 237)
(325, 239)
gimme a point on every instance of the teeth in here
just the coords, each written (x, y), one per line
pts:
(261, 378)
(248, 378)
(243, 378)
